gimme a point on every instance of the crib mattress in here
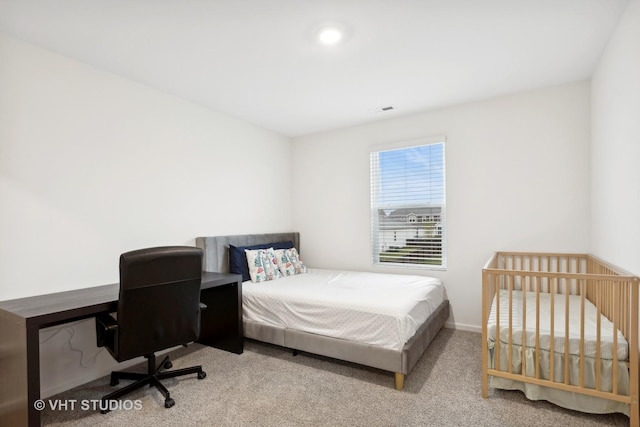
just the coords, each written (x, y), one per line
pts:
(590, 326)
(383, 310)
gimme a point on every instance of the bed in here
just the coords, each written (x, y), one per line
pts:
(397, 352)
(561, 328)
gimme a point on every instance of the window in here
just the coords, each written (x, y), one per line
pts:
(407, 183)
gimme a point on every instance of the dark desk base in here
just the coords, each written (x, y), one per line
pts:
(22, 319)
(221, 321)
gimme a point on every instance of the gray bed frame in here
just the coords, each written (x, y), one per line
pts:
(401, 362)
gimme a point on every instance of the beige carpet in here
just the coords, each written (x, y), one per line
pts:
(268, 386)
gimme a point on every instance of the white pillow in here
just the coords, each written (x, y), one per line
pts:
(262, 265)
(289, 262)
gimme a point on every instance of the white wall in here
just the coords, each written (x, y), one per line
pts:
(615, 146)
(517, 172)
(93, 165)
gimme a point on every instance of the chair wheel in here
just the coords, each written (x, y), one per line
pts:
(114, 382)
(202, 375)
(169, 403)
(168, 364)
(104, 411)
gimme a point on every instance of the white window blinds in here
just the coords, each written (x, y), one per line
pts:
(408, 205)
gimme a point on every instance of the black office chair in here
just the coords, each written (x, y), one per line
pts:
(158, 308)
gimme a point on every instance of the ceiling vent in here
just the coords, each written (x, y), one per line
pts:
(381, 110)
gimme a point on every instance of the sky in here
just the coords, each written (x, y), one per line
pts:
(410, 176)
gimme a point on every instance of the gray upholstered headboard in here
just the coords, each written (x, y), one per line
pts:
(216, 248)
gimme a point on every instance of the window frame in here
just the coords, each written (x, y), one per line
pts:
(375, 206)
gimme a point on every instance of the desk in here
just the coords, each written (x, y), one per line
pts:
(21, 321)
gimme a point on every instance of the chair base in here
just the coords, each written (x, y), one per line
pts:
(152, 377)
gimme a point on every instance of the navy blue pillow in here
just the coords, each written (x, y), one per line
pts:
(238, 258)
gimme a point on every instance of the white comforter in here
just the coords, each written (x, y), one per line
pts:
(384, 310)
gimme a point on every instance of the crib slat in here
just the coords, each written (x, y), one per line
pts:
(498, 326)
(566, 331)
(510, 339)
(583, 291)
(598, 340)
(537, 357)
(614, 350)
(625, 303)
(523, 344)
(552, 290)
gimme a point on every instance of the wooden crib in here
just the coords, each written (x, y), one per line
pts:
(562, 324)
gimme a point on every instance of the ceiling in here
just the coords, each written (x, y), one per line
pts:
(257, 60)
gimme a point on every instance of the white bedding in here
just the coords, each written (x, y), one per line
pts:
(590, 327)
(384, 310)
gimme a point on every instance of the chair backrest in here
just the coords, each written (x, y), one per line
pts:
(159, 304)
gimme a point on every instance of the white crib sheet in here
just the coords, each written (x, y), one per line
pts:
(384, 310)
(590, 326)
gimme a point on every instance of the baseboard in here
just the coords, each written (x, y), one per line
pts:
(463, 327)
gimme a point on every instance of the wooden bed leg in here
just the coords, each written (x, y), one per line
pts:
(399, 381)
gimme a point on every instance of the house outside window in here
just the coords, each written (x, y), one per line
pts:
(408, 204)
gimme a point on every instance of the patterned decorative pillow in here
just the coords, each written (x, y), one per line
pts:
(238, 257)
(289, 262)
(262, 265)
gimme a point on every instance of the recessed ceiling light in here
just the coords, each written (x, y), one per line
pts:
(330, 35)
